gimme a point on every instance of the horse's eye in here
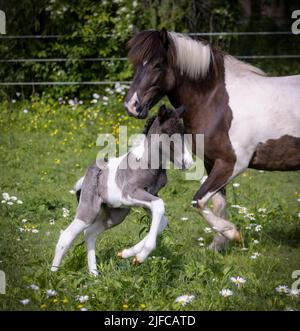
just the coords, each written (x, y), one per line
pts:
(158, 66)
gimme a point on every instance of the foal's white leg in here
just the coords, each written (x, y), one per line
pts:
(132, 251)
(219, 209)
(158, 210)
(65, 241)
(91, 234)
(219, 224)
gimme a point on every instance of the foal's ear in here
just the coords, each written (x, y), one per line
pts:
(162, 113)
(180, 111)
(164, 37)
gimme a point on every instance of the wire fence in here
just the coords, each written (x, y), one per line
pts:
(111, 59)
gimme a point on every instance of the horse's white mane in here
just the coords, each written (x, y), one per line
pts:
(241, 68)
(193, 57)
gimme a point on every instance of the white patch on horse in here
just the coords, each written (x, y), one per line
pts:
(145, 62)
(262, 107)
(115, 197)
(193, 57)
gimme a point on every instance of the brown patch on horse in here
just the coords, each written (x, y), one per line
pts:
(277, 154)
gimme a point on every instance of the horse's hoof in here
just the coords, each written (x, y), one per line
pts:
(54, 269)
(238, 237)
(119, 254)
(135, 261)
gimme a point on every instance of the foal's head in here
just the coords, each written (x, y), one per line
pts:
(166, 134)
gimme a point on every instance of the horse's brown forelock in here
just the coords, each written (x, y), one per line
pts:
(147, 45)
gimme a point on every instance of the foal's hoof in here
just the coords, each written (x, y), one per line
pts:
(54, 269)
(120, 255)
(135, 261)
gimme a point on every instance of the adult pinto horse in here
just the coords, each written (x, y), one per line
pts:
(248, 120)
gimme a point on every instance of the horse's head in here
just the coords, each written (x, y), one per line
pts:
(168, 128)
(152, 56)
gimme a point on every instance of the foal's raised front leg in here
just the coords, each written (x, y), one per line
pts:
(136, 249)
(219, 176)
(144, 199)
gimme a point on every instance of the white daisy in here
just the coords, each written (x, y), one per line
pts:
(82, 298)
(35, 231)
(96, 96)
(236, 185)
(52, 222)
(25, 111)
(254, 256)
(184, 299)
(66, 212)
(13, 198)
(83, 309)
(226, 293)
(258, 228)
(200, 239)
(239, 281)
(282, 289)
(5, 196)
(34, 287)
(25, 302)
(255, 242)
(3, 201)
(10, 203)
(207, 230)
(184, 218)
(19, 202)
(24, 220)
(51, 293)
(262, 210)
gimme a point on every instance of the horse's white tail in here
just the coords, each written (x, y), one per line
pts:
(78, 184)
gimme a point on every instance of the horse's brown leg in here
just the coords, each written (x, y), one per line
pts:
(219, 208)
(218, 177)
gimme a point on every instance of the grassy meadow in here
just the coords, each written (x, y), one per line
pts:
(46, 146)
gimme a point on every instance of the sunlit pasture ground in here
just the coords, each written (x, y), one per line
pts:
(46, 146)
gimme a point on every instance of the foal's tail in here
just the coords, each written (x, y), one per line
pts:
(77, 187)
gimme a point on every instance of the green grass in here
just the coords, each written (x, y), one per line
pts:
(44, 152)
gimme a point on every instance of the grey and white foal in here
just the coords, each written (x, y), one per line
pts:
(108, 191)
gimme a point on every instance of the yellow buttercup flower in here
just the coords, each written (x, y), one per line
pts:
(125, 306)
(143, 306)
(43, 306)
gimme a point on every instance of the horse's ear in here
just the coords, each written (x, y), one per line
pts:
(162, 113)
(180, 111)
(164, 37)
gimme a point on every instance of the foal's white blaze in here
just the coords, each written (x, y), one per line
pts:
(263, 108)
(131, 104)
